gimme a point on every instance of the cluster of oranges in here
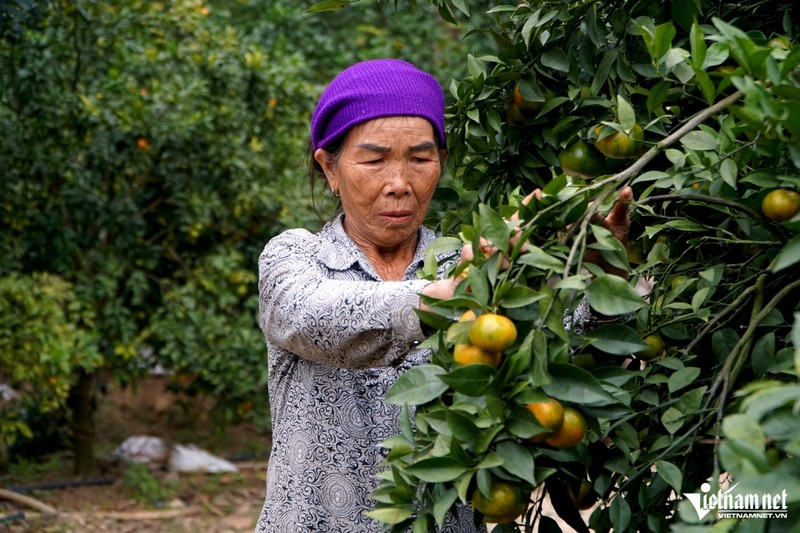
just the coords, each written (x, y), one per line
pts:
(588, 160)
(489, 336)
(565, 426)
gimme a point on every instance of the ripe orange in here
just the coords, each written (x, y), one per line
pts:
(468, 354)
(142, 144)
(581, 160)
(571, 432)
(492, 332)
(619, 145)
(550, 414)
(655, 347)
(503, 505)
(780, 204)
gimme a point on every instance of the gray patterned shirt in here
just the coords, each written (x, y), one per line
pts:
(338, 337)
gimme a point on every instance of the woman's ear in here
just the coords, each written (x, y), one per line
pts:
(443, 154)
(325, 160)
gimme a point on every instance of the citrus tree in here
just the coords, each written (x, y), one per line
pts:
(150, 150)
(146, 162)
(639, 369)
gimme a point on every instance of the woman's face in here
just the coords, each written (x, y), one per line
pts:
(386, 174)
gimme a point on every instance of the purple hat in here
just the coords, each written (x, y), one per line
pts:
(373, 89)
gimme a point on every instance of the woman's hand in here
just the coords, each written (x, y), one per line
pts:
(618, 222)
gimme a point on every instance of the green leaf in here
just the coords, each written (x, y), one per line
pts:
(536, 257)
(576, 386)
(683, 377)
(763, 353)
(539, 358)
(706, 85)
(723, 342)
(763, 402)
(556, 59)
(391, 515)
(520, 296)
(662, 39)
(728, 170)
(417, 386)
(788, 256)
(671, 474)
(796, 341)
(479, 285)
(462, 427)
(472, 380)
(698, 46)
(699, 140)
(672, 419)
(625, 113)
(612, 295)
(616, 339)
(657, 95)
(437, 469)
(620, 514)
(328, 5)
(493, 227)
(443, 504)
(444, 245)
(517, 460)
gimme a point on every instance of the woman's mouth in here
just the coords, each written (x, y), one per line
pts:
(397, 217)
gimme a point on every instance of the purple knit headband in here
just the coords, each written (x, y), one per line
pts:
(373, 89)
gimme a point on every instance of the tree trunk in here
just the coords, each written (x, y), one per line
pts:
(82, 406)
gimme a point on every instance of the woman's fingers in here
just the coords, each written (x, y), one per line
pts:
(618, 221)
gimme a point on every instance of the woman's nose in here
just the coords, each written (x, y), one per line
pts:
(397, 182)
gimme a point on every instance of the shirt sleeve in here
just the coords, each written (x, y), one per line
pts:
(343, 323)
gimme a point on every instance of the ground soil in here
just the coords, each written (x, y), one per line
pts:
(125, 499)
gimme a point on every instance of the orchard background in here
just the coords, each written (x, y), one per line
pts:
(152, 148)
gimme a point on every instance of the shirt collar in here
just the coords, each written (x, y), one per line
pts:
(339, 252)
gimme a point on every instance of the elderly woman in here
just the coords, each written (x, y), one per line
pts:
(338, 307)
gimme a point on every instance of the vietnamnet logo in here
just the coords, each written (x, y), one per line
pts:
(728, 504)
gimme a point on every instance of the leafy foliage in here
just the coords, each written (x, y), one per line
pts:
(45, 334)
(714, 88)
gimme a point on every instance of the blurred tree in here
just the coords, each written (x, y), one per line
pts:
(150, 151)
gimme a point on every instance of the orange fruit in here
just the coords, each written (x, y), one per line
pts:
(581, 160)
(468, 315)
(142, 144)
(581, 494)
(780, 204)
(513, 113)
(492, 332)
(469, 354)
(529, 100)
(550, 414)
(655, 347)
(781, 42)
(619, 145)
(571, 432)
(503, 505)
